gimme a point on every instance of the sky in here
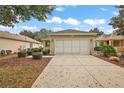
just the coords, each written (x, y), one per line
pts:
(83, 17)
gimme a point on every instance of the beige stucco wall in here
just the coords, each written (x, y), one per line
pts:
(71, 37)
(14, 45)
(68, 37)
(36, 45)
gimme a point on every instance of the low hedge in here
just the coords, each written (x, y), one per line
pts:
(22, 54)
(36, 55)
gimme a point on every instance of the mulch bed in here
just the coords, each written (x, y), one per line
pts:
(8, 56)
(21, 72)
(121, 64)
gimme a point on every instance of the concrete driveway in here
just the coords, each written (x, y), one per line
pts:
(72, 71)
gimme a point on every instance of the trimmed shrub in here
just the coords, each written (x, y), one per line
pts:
(3, 52)
(29, 52)
(40, 49)
(36, 50)
(46, 52)
(8, 52)
(108, 50)
(22, 54)
(97, 48)
(36, 55)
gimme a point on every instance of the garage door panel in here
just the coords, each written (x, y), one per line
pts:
(75, 46)
(59, 43)
(84, 46)
(59, 47)
(67, 46)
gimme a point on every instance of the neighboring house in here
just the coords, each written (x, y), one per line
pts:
(117, 41)
(15, 42)
(70, 42)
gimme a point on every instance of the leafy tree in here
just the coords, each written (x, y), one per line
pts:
(96, 30)
(12, 14)
(38, 35)
(27, 33)
(43, 33)
(117, 22)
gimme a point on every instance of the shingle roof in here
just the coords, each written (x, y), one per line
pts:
(70, 31)
(110, 37)
(9, 35)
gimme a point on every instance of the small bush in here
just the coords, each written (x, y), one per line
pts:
(36, 55)
(36, 50)
(46, 52)
(8, 52)
(108, 50)
(22, 54)
(29, 52)
(97, 48)
(3, 53)
(40, 49)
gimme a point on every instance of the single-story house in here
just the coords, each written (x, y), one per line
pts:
(117, 41)
(70, 42)
(15, 42)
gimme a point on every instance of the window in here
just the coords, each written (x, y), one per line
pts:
(31, 45)
(122, 42)
(22, 47)
(116, 43)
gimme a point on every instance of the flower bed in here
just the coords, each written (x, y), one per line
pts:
(121, 63)
(8, 56)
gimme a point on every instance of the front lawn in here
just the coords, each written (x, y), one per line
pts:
(21, 72)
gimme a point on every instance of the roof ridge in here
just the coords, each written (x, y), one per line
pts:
(70, 31)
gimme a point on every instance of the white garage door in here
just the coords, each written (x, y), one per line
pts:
(67, 47)
(59, 47)
(85, 47)
(72, 47)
